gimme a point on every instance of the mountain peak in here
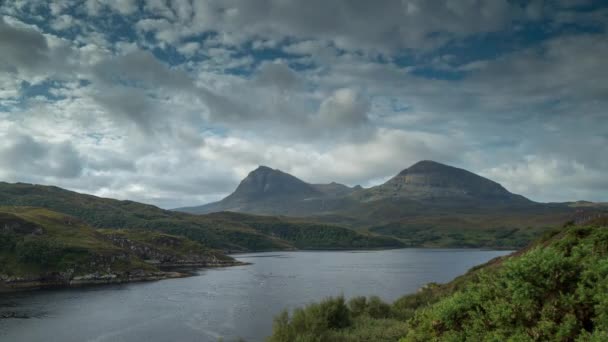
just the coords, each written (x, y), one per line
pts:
(426, 166)
(267, 182)
(430, 179)
(264, 169)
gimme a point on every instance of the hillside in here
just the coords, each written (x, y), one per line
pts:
(554, 290)
(224, 232)
(41, 248)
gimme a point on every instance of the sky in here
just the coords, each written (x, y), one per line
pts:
(173, 102)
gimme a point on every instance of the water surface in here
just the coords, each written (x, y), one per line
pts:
(229, 302)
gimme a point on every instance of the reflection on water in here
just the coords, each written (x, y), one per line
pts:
(226, 303)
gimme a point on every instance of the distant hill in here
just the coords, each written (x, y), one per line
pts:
(224, 232)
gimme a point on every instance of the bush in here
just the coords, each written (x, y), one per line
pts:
(312, 323)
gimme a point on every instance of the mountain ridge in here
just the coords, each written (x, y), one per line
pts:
(424, 180)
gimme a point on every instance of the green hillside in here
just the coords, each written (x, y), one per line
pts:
(226, 232)
(554, 290)
(39, 248)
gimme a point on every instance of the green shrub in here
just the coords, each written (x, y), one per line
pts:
(312, 323)
(553, 293)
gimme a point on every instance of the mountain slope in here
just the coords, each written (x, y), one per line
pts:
(219, 232)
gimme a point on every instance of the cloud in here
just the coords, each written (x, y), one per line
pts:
(23, 155)
(344, 110)
(277, 75)
(549, 179)
(22, 48)
(172, 102)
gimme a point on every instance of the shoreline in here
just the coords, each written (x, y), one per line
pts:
(236, 254)
(171, 271)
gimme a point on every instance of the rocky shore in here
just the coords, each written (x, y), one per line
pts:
(66, 280)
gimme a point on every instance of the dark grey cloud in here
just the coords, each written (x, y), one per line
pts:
(21, 47)
(278, 75)
(22, 155)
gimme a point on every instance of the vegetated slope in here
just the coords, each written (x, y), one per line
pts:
(310, 235)
(39, 247)
(216, 231)
(554, 290)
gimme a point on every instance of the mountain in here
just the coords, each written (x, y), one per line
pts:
(268, 191)
(429, 180)
(219, 231)
(262, 187)
(428, 204)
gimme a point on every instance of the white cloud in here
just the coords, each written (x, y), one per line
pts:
(545, 178)
(189, 49)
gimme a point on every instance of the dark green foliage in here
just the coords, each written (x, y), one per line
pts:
(321, 236)
(313, 323)
(38, 251)
(557, 292)
(464, 236)
(373, 307)
(362, 319)
(7, 242)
